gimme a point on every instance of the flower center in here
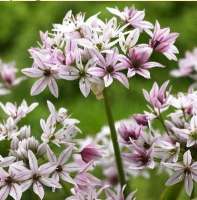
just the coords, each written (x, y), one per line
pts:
(155, 44)
(59, 168)
(47, 72)
(110, 69)
(35, 177)
(136, 63)
(9, 180)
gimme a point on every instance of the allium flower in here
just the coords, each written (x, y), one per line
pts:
(129, 131)
(137, 61)
(18, 112)
(163, 41)
(187, 65)
(140, 158)
(62, 169)
(141, 119)
(90, 152)
(158, 97)
(38, 176)
(7, 161)
(9, 185)
(133, 17)
(8, 76)
(183, 171)
(45, 70)
(81, 72)
(108, 68)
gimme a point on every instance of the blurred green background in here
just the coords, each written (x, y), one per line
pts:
(20, 24)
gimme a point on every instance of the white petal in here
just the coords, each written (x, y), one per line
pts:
(108, 80)
(33, 163)
(65, 155)
(188, 183)
(16, 192)
(38, 189)
(47, 168)
(84, 86)
(4, 192)
(175, 178)
(53, 87)
(32, 72)
(39, 86)
(187, 158)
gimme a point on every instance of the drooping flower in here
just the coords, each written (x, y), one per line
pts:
(141, 119)
(163, 41)
(137, 61)
(183, 171)
(90, 152)
(109, 67)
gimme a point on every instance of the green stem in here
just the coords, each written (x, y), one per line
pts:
(110, 119)
(160, 117)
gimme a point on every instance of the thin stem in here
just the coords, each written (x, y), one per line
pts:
(110, 119)
(160, 118)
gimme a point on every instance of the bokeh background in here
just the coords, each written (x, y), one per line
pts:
(20, 24)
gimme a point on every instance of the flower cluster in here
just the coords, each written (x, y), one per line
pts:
(95, 52)
(170, 148)
(187, 66)
(33, 163)
(8, 77)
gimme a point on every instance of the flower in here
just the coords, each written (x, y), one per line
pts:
(38, 176)
(10, 184)
(137, 61)
(141, 119)
(62, 169)
(81, 72)
(129, 131)
(46, 68)
(108, 68)
(187, 65)
(183, 171)
(158, 97)
(90, 152)
(18, 112)
(133, 17)
(163, 41)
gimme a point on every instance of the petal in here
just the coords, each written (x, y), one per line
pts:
(51, 156)
(188, 183)
(50, 182)
(25, 185)
(16, 192)
(38, 189)
(67, 178)
(39, 86)
(96, 71)
(84, 86)
(149, 65)
(32, 72)
(65, 155)
(47, 168)
(53, 87)
(69, 73)
(175, 178)
(4, 192)
(143, 72)
(187, 158)
(122, 78)
(33, 163)
(108, 80)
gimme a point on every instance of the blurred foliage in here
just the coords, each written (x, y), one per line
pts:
(20, 24)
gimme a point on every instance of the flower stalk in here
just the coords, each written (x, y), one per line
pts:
(118, 159)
